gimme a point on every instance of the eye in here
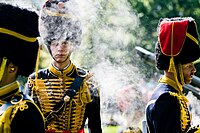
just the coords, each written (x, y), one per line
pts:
(64, 43)
(54, 43)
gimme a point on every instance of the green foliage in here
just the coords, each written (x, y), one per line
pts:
(150, 12)
(111, 129)
(45, 58)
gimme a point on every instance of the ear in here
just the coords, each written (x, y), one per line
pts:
(12, 68)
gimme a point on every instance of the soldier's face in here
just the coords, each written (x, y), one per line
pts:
(60, 50)
(188, 72)
(9, 73)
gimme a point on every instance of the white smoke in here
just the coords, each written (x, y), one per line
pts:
(108, 27)
(33, 5)
(107, 50)
(194, 106)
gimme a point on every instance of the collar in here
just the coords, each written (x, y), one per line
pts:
(9, 90)
(172, 83)
(67, 71)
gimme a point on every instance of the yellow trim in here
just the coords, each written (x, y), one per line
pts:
(59, 14)
(3, 66)
(172, 39)
(198, 131)
(63, 73)
(171, 82)
(18, 35)
(192, 38)
(172, 65)
(8, 88)
(173, 70)
(184, 112)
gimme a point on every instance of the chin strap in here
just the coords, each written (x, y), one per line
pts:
(3, 66)
(180, 69)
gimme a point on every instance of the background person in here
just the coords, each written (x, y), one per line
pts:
(130, 102)
(176, 50)
(66, 94)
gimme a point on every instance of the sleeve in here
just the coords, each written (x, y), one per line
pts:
(93, 108)
(29, 86)
(166, 115)
(29, 120)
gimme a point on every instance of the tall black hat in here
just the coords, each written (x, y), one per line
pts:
(18, 37)
(177, 39)
(60, 20)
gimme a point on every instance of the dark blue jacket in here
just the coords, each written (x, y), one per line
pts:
(163, 112)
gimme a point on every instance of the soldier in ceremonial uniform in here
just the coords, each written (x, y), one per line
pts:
(176, 50)
(67, 95)
(18, 54)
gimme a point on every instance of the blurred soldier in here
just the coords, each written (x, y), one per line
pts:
(18, 54)
(66, 95)
(131, 105)
(176, 50)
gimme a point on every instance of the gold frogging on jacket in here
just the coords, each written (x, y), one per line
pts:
(19, 105)
(50, 91)
(185, 115)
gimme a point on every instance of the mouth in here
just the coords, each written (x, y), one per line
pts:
(60, 55)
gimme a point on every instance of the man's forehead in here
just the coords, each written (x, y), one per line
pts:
(61, 41)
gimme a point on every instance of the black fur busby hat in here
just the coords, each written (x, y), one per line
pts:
(177, 38)
(60, 20)
(18, 37)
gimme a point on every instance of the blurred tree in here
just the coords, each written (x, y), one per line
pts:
(150, 11)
